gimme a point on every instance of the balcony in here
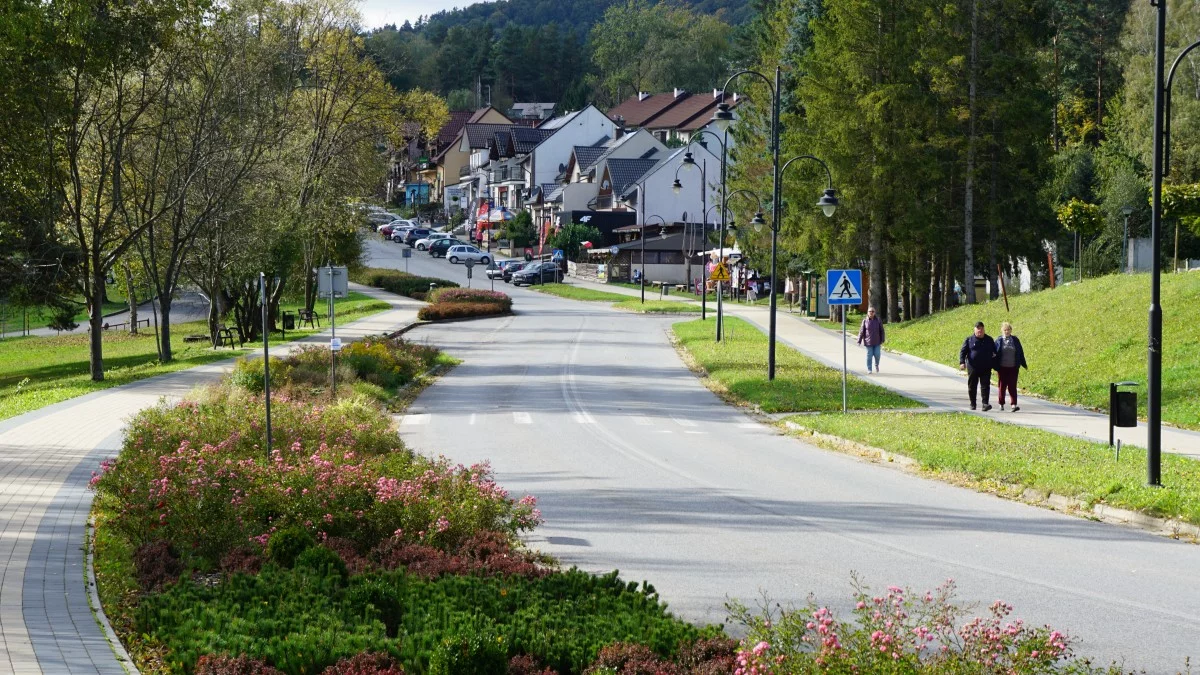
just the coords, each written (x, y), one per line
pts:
(464, 171)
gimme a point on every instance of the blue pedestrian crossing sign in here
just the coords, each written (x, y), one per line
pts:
(844, 287)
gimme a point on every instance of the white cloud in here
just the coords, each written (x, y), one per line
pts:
(377, 13)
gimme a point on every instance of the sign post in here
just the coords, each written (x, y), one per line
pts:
(262, 286)
(406, 254)
(844, 288)
(470, 265)
(334, 282)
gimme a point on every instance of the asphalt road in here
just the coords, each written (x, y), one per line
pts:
(638, 467)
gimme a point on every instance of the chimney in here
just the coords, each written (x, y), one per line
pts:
(679, 92)
(642, 95)
(620, 130)
(717, 94)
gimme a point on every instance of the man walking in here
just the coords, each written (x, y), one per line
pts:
(870, 334)
(976, 358)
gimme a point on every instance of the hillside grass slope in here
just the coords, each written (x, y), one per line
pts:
(1080, 337)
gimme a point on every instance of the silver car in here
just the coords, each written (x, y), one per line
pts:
(463, 252)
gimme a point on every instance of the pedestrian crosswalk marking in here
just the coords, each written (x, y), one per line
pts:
(642, 421)
(522, 418)
(584, 418)
(411, 420)
(683, 422)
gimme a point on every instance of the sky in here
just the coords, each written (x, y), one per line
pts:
(379, 12)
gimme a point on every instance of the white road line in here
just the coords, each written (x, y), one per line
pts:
(748, 425)
(665, 431)
(695, 432)
(411, 420)
(472, 420)
(643, 421)
(522, 418)
(584, 418)
(684, 423)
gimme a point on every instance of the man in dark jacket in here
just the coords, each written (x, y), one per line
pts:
(975, 357)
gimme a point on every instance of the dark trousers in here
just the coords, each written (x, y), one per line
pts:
(982, 379)
(1008, 382)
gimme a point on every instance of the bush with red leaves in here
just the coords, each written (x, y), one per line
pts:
(459, 310)
(223, 664)
(156, 565)
(241, 560)
(527, 665)
(347, 550)
(483, 554)
(632, 659)
(710, 656)
(367, 663)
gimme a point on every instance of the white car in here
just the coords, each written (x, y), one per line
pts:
(423, 244)
(463, 252)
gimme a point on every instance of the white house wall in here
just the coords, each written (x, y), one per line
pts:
(577, 196)
(589, 126)
(661, 200)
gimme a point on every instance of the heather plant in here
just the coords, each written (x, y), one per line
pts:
(898, 632)
(451, 295)
(194, 476)
(459, 310)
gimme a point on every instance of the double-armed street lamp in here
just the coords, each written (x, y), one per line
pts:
(688, 164)
(1161, 167)
(662, 232)
(828, 202)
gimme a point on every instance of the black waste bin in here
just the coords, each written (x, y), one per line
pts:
(1122, 407)
(289, 321)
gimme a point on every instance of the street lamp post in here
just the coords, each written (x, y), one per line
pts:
(688, 163)
(643, 240)
(723, 118)
(1161, 167)
(704, 266)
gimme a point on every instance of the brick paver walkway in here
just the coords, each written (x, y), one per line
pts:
(46, 460)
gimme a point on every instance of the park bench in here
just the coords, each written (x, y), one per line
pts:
(125, 324)
(225, 337)
(309, 317)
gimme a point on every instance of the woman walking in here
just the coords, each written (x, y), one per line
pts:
(870, 334)
(1010, 357)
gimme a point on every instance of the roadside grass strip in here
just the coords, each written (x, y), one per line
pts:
(636, 306)
(1081, 336)
(738, 368)
(38, 371)
(578, 293)
(1005, 458)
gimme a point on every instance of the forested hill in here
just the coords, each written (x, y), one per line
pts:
(580, 15)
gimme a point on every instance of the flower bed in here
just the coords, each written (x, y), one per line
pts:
(400, 283)
(460, 303)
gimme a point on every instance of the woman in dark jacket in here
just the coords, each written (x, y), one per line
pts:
(1010, 358)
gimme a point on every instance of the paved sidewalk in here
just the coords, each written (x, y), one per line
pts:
(46, 460)
(936, 385)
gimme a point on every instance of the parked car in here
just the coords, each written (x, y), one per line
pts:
(423, 244)
(411, 237)
(497, 271)
(438, 248)
(386, 229)
(512, 268)
(378, 220)
(399, 232)
(464, 252)
(536, 273)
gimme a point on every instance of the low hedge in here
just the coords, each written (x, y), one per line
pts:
(395, 281)
(460, 295)
(460, 310)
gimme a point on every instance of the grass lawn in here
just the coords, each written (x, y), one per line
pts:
(579, 293)
(38, 371)
(12, 318)
(1082, 336)
(993, 455)
(658, 306)
(739, 366)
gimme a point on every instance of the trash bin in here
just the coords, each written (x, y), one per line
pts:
(289, 321)
(1122, 407)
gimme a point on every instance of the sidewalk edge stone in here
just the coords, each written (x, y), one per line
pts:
(110, 635)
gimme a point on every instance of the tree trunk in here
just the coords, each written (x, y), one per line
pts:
(906, 293)
(948, 284)
(969, 186)
(96, 320)
(935, 285)
(893, 290)
(878, 286)
(164, 310)
(922, 289)
(131, 299)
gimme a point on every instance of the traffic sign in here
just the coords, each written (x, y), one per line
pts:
(407, 253)
(614, 250)
(720, 273)
(844, 287)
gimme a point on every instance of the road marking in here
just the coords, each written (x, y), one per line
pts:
(695, 432)
(472, 420)
(411, 420)
(522, 418)
(683, 422)
(664, 431)
(584, 418)
(748, 425)
(643, 421)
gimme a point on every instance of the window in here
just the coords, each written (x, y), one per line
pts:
(670, 257)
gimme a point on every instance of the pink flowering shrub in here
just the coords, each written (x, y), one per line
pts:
(475, 295)
(195, 476)
(898, 632)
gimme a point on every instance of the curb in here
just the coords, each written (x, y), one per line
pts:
(110, 635)
(1163, 527)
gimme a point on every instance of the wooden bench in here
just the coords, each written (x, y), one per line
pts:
(308, 317)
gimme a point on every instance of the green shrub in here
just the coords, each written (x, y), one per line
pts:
(459, 310)
(247, 373)
(301, 623)
(286, 545)
(395, 281)
(323, 561)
